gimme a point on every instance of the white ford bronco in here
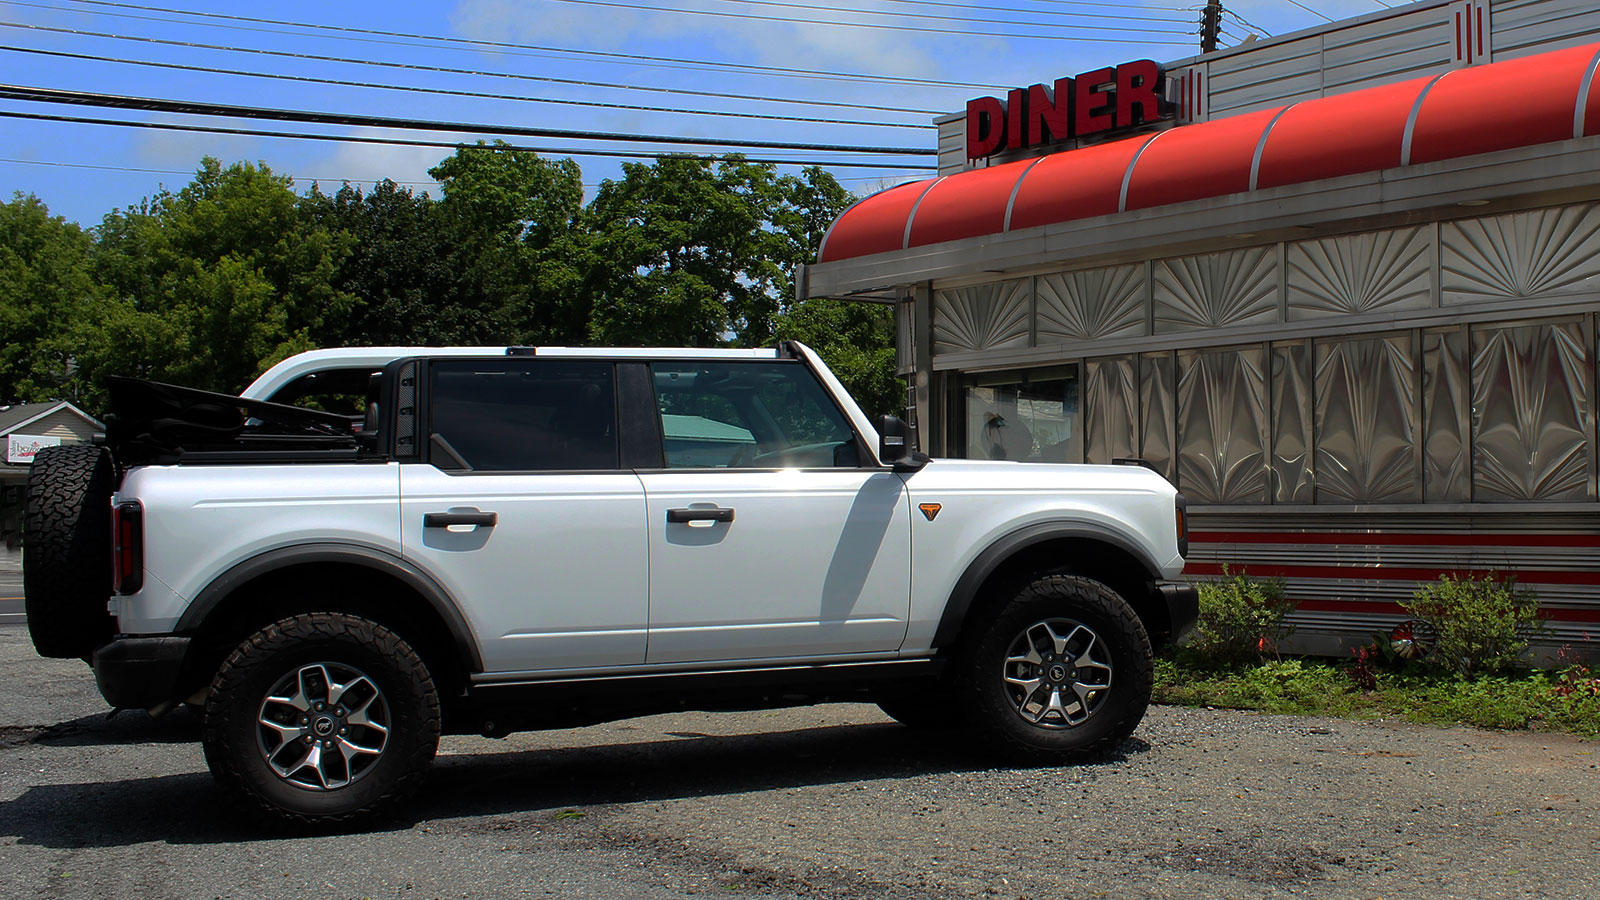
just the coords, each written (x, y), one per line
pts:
(500, 539)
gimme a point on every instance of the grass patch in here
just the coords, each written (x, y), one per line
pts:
(1533, 701)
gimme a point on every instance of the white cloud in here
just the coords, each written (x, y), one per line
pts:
(374, 162)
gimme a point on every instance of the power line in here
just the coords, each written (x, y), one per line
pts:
(1308, 9)
(185, 107)
(657, 61)
(882, 12)
(419, 67)
(456, 145)
(1247, 23)
(455, 93)
(135, 169)
(614, 4)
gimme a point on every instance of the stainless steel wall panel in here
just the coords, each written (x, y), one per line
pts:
(1524, 27)
(982, 317)
(1158, 422)
(1359, 273)
(1292, 472)
(1111, 409)
(1530, 402)
(1215, 290)
(1385, 51)
(1446, 405)
(1222, 425)
(1366, 421)
(1271, 76)
(1090, 304)
(1539, 253)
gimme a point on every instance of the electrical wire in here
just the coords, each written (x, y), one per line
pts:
(1247, 23)
(1308, 9)
(454, 93)
(784, 4)
(543, 79)
(135, 169)
(541, 50)
(616, 4)
(407, 142)
(185, 107)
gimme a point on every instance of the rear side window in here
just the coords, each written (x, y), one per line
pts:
(523, 415)
(749, 415)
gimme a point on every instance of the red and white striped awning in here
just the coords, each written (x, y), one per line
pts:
(1480, 109)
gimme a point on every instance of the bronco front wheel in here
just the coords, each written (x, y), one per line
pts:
(1063, 672)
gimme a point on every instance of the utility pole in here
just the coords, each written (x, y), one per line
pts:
(1210, 25)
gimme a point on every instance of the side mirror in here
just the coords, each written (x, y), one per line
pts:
(897, 445)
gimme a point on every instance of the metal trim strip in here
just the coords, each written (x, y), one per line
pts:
(1261, 146)
(905, 239)
(1127, 176)
(1580, 112)
(1016, 189)
(1411, 121)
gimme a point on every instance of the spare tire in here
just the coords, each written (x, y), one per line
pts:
(66, 560)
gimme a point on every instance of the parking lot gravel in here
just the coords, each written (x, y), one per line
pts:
(832, 802)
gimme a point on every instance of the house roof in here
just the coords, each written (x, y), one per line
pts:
(18, 416)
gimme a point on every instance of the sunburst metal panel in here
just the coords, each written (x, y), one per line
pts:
(1237, 287)
(1526, 254)
(982, 317)
(1530, 402)
(1366, 421)
(1358, 273)
(1097, 303)
(1158, 419)
(1222, 428)
(1111, 409)
(1446, 399)
(1291, 424)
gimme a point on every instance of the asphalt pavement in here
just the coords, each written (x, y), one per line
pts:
(831, 802)
(11, 599)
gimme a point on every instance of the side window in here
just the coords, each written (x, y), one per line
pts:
(522, 415)
(764, 415)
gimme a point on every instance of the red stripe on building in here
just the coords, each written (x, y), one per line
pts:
(1392, 539)
(1389, 573)
(1394, 609)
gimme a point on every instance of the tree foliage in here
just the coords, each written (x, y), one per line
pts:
(212, 283)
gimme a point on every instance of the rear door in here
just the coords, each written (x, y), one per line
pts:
(522, 510)
(769, 538)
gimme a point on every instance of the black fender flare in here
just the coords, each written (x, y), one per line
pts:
(995, 555)
(353, 554)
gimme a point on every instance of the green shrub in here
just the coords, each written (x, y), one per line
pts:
(1484, 622)
(1241, 618)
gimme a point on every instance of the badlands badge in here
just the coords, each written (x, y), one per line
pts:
(930, 510)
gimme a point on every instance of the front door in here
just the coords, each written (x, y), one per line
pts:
(768, 537)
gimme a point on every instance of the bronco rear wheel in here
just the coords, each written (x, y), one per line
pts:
(1063, 672)
(66, 561)
(323, 718)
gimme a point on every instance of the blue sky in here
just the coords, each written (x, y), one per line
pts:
(83, 171)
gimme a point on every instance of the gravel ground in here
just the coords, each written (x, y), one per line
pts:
(831, 802)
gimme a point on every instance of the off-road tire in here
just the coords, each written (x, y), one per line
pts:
(66, 566)
(989, 701)
(234, 704)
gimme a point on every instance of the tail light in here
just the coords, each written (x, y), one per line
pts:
(127, 547)
(1182, 510)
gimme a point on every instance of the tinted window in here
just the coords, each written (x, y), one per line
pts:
(749, 415)
(524, 415)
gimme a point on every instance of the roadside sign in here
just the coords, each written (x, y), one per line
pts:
(20, 448)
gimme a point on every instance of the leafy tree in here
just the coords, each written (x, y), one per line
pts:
(214, 283)
(857, 342)
(46, 288)
(518, 243)
(690, 253)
